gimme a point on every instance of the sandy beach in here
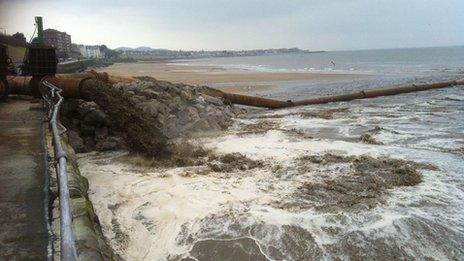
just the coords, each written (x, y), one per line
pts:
(231, 80)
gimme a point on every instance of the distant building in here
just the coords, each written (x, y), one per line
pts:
(75, 51)
(60, 40)
(91, 51)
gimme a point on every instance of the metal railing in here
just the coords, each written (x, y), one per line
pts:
(52, 96)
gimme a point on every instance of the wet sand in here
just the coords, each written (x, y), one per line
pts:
(231, 80)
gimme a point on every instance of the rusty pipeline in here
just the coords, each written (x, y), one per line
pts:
(365, 94)
(20, 85)
(255, 101)
(26, 85)
(70, 83)
(328, 99)
(70, 87)
(373, 93)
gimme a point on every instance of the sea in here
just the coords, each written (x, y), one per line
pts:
(319, 194)
(382, 68)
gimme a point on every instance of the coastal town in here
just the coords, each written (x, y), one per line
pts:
(68, 52)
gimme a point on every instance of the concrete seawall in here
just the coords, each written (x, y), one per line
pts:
(82, 65)
(90, 243)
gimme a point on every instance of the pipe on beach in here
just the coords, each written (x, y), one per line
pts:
(374, 93)
(364, 94)
(255, 101)
(70, 84)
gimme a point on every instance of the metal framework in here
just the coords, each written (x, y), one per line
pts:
(53, 98)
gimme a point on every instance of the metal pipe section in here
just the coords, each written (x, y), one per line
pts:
(255, 101)
(70, 84)
(365, 94)
(68, 248)
(328, 99)
(20, 85)
(24, 85)
(373, 93)
(69, 87)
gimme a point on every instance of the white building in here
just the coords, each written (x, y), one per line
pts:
(91, 51)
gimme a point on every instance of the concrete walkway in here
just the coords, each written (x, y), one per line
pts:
(23, 227)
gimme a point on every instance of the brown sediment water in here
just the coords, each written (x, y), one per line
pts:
(367, 180)
(329, 196)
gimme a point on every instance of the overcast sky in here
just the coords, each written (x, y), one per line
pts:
(245, 24)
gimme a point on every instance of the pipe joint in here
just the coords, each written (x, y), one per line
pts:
(61, 154)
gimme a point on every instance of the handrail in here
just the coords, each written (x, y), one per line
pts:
(68, 247)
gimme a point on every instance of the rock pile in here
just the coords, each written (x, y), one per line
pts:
(89, 128)
(179, 110)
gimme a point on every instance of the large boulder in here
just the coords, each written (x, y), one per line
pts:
(150, 107)
(91, 114)
(101, 133)
(96, 118)
(198, 126)
(188, 114)
(86, 129)
(212, 100)
(150, 93)
(76, 142)
(85, 107)
(154, 107)
(171, 127)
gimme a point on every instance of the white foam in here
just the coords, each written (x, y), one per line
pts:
(158, 209)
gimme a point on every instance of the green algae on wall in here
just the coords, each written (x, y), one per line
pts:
(90, 242)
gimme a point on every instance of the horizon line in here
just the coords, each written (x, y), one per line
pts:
(274, 48)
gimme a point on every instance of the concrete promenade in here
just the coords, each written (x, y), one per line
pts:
(23, 226)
